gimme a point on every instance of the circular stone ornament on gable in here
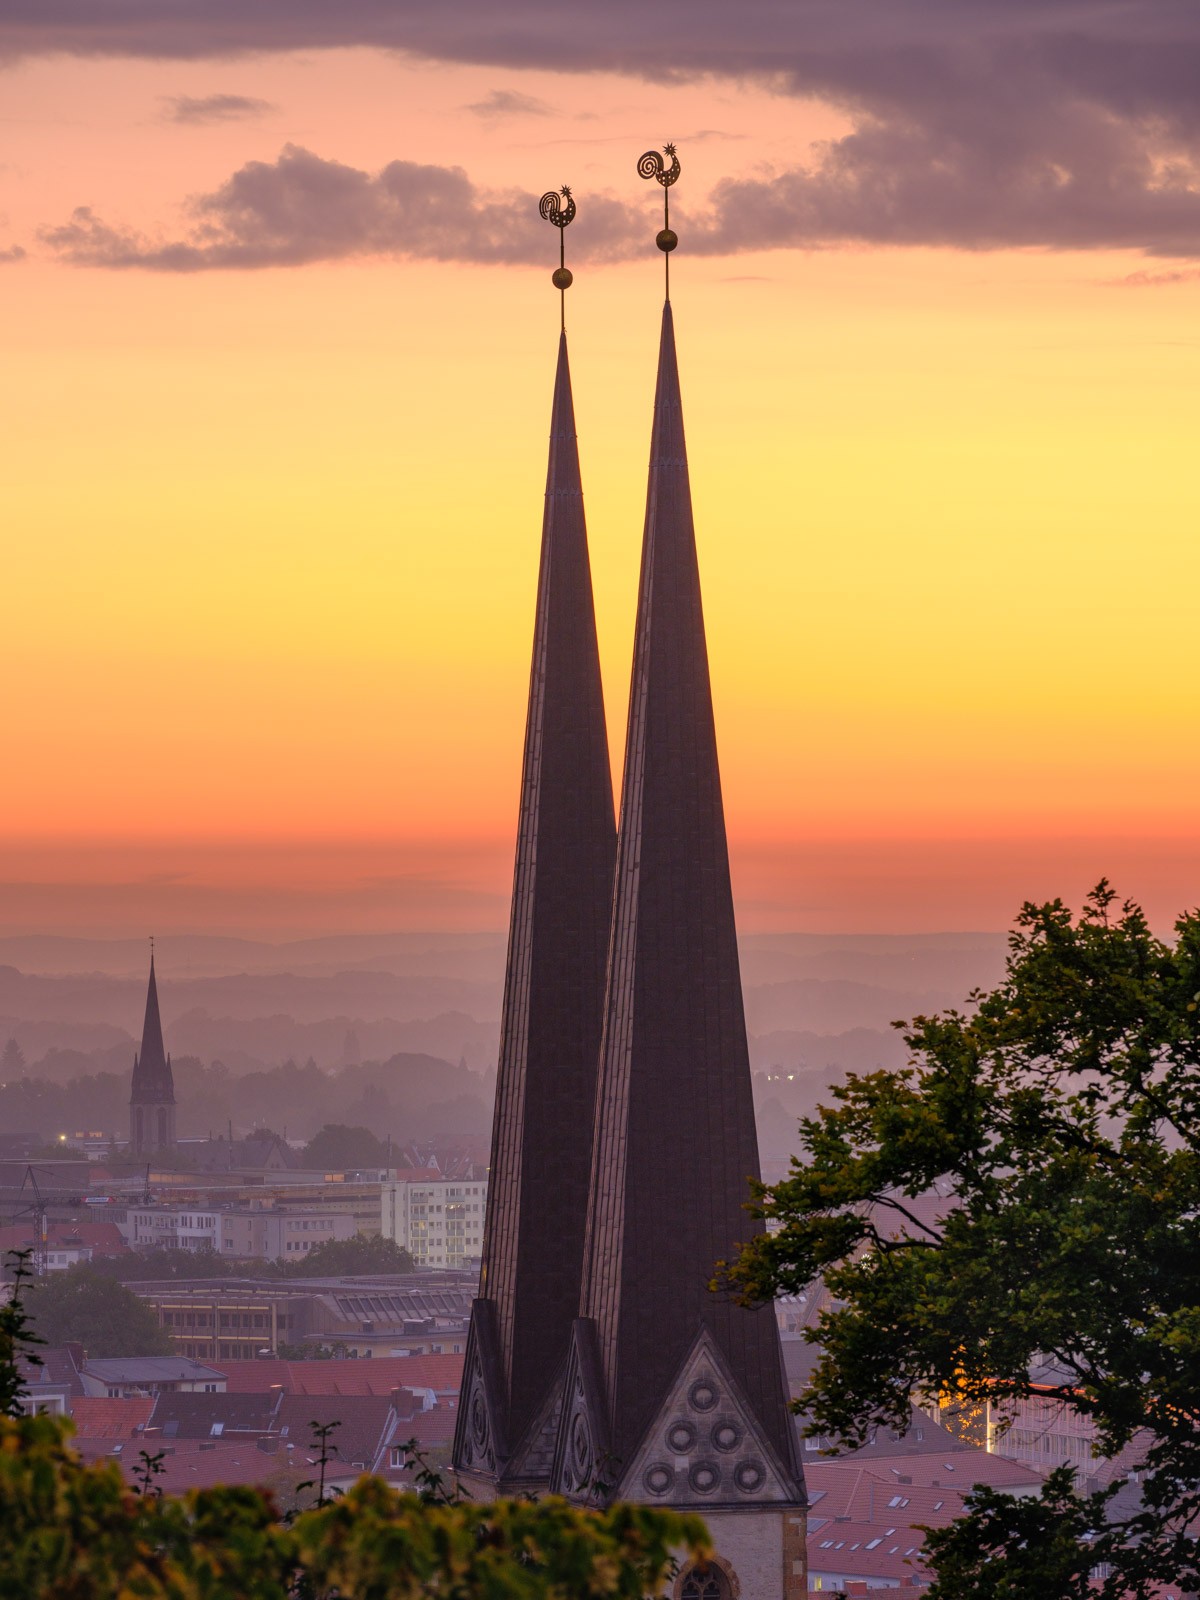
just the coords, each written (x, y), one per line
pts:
(581, 1449)
(726, 1437)
(659, 1479)
(681, 1436)
(479, 1426)
(749, 1476)
(704, 1477)
(702, 1395)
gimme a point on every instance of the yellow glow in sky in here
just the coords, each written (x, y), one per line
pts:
(271, 536)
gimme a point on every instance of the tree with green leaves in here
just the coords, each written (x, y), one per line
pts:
(82, 1306)
(1061, 1115)
(337, 1147)
(365, 1253)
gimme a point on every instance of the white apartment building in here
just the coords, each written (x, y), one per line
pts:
(281, 1235)
(439, 1220)
(239, 1234)
(171, 1228)
(59, 1257)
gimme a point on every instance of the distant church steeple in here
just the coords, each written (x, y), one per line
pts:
(152, 1095)
(553, 1007)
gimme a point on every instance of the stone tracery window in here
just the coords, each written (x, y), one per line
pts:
(707, 1582)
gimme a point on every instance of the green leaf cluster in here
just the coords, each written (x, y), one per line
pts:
(70, 1531)
(1060, 1117)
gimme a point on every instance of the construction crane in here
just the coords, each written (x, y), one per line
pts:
(37, 1214)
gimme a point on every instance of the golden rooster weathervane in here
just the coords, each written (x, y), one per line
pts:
(652, 165)
(551, 207)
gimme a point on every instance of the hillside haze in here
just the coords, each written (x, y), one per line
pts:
(400, 1031)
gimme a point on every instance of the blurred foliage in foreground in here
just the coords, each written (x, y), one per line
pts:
(76, 1531)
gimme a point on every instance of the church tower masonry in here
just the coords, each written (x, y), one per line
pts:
(675, 1395)
(553, 1010)
(152, 1096)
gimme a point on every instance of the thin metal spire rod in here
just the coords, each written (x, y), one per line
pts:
(652, 165)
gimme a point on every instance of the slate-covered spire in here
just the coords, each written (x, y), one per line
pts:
(674, 1394)
(152, 1094)
(553, 1011)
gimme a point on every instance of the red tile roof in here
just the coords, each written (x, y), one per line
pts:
(863, 1509)
(428, 1428)
(868, 1550)
(861, 1496)
(96, 1417)
(195, 1464)
(364, 1427)
(443, 1374)
(956, 1469)
(102, 1238)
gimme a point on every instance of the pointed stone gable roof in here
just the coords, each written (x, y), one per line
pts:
(152, 1079)
(553, 998)
(706, 1447)
(675, 1140)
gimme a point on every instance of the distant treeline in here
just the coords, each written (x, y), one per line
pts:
(406, 1097)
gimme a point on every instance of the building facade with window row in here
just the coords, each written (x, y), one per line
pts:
(257, 1233)
(438, 1220)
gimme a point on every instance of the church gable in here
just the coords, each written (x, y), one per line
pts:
(479, 1441)
(705, 1447)
(583, 1467)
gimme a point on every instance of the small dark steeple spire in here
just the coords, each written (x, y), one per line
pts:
(152, 1093)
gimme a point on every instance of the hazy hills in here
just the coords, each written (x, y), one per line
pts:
(816, 1006)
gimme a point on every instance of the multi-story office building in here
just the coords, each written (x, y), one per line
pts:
(330, 1194)
(281, 1235)
(243, 1233)
(439, 1220)
(170, 1227)
(227, 1319)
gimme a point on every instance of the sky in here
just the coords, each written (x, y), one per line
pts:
(279, 340)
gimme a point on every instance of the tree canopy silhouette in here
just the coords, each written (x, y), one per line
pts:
(1061, 1117)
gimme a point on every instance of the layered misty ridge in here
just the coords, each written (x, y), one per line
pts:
(399, 1033)
(991, 126)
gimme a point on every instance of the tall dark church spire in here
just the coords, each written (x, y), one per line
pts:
(673, 1394)
(553, 1012)
(152, 1095)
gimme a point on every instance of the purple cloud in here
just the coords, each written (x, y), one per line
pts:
(188, 108)
(302, 208)
(510, 103)
(1060, 124)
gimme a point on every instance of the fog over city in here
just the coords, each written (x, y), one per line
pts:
(399, 1033)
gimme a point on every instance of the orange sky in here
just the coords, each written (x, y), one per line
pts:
(271, 536)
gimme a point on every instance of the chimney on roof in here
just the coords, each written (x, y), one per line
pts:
(405, 1403)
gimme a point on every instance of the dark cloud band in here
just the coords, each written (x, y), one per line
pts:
(1060, 124)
